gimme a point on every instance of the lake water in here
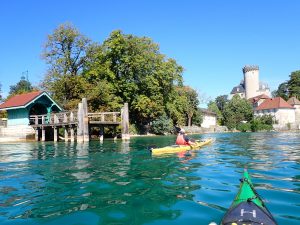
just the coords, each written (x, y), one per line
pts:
(116, 183)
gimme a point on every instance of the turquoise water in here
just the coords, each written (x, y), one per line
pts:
(118, 183)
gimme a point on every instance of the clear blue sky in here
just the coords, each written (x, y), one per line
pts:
(211, 39)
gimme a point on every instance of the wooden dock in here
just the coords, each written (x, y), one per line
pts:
(78, 124)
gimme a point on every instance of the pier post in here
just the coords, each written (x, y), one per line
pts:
(80, 123)
(43, 134)
(37, 134)
(125, 122)
(66, 134)
(72, 126)
(55, 129)
(55, 134)
(72, 133)
(86, 135)
(115, 133)
(101, 133)
(66, 129)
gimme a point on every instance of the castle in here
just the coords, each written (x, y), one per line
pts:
(286, 114)
(250, 86)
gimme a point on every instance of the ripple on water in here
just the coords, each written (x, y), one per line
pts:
(117, 183)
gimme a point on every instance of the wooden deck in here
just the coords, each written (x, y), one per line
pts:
(78, 123)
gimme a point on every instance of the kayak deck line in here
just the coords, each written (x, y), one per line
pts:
(248, 207)
(178, 148)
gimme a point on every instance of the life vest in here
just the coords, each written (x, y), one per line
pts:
(180, 140)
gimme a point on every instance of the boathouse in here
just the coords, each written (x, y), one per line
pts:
(20, 107)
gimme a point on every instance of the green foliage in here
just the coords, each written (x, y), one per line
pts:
(197, 118)
(212, 106)
(124, 68)
(244, 127)
(146, 110)
(294, 84)
(65, 52)
(282, 91)
(221, 101)
(162, 125)
(266, 119)
(237, 110)
(133, 129)
(290, 88)
(23, 86)
(3, 114)
(258, 125)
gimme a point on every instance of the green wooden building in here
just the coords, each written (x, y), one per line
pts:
(19, 109)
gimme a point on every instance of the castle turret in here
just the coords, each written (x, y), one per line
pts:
(251, 79)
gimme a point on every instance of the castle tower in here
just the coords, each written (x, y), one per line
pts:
(251, 79)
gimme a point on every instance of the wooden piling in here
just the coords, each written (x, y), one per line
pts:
(86, 135)
(66, 134)
(80, 123)
(101, 133)
(125, 122)
(55, 134)
(72, 127)
(37, 134)
(43, 134)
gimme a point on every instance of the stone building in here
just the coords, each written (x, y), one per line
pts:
(250, 86)
(209, 119)
(282, 112)
(293, 101)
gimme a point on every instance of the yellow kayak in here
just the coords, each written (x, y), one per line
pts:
(180, 148)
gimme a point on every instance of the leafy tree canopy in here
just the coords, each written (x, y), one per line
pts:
(294, 84)
(124, 68)
(237, 110)
(65, 51)
(221, 101)
(212, 106)
(23, 86)
(290, 88)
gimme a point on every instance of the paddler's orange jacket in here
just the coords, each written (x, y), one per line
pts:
(181, 140)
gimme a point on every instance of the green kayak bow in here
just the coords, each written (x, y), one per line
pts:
(248, 208)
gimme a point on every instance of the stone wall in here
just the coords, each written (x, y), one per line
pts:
(17, 132)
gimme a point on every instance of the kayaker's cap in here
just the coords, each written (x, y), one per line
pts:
(182, 131)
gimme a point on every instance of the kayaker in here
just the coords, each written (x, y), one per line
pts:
(182, 139)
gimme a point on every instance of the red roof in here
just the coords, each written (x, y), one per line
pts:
(293, 101)
(20, 100)
(274, 103)
(257, 98)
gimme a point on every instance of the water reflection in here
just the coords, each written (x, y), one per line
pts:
(121, 183)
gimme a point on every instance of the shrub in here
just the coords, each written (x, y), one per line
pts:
(162, 125)
(244, 127)
(259, 124)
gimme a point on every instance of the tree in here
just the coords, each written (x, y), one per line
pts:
(191, 102)
(294, 84)
(237, 110)
(162, 125)
(141, 75)
(221, 101)
(65, 51)
(282, 91)
(23, 86)
(290, 88)
(124, 68)
(197, 117)
(212, 106)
